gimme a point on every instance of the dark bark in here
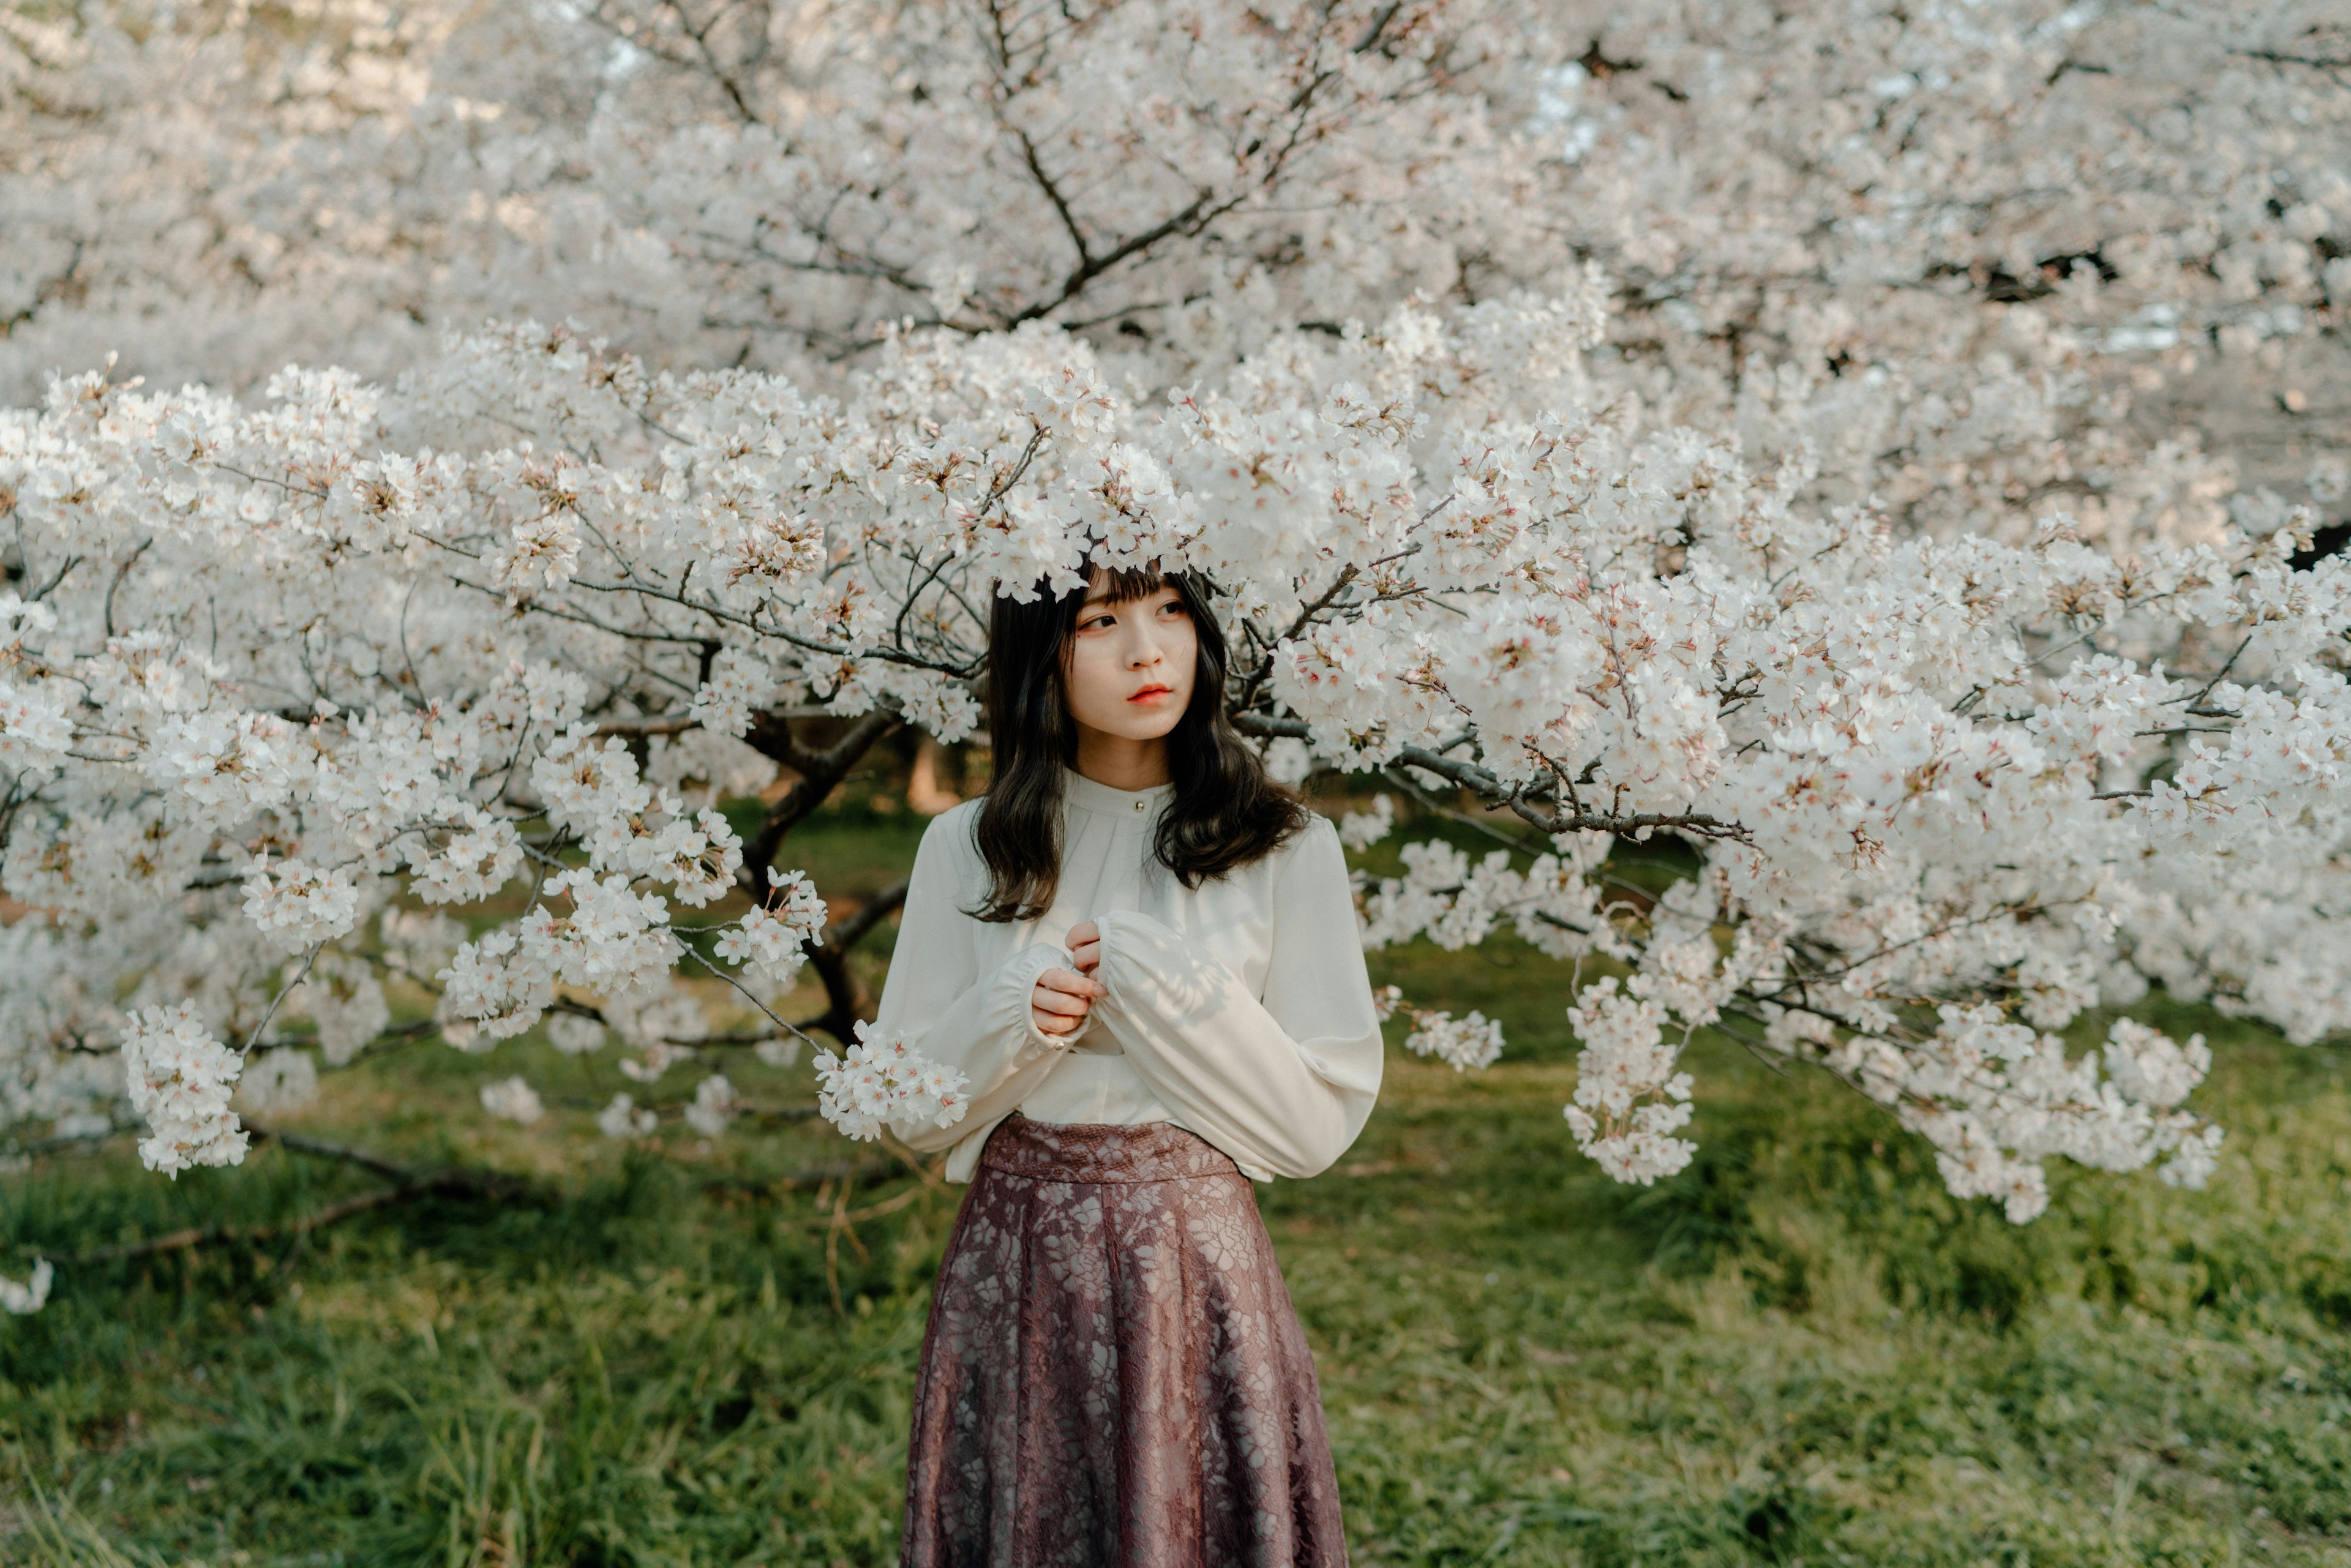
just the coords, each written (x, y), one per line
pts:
(820, 772)
(847, 998)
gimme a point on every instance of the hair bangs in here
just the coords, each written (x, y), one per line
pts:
(1124, 585)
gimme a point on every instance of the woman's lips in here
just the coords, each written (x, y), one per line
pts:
(1151, 694)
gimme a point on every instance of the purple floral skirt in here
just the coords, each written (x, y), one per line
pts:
(1113, 1375)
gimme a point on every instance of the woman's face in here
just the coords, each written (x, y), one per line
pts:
(1130, 667)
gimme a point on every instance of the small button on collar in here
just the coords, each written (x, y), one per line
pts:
(1138, 808)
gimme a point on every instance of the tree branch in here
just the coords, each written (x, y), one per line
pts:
(847, 1000)
(1192, 219)
(1578, 818)
(820, 773)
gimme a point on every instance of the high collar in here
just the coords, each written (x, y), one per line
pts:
(1125, 805)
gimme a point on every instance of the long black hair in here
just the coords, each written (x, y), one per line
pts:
(1225, 811)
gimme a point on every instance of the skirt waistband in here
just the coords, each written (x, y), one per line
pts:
(1099, 1152)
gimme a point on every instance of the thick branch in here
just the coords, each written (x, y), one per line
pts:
(870, 914)
(847, 1001)
(1577, 818)
(820, 773)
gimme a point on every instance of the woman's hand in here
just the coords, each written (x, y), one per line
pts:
(1061, 999)
(1085, 947)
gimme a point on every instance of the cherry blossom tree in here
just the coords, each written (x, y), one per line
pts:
(1979, 259)
(1602, 429)
(1923, 775)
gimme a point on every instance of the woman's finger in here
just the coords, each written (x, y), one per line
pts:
(1075, 985)
(1059, 1002)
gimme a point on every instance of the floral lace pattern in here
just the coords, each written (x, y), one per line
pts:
(1114, 1374)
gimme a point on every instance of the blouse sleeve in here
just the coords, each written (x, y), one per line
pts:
(1283, 1083)
(937, 997)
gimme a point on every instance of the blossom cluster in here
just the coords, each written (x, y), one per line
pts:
(180, 1078)
(1462, 1044)
(1994, 1097)
(772, 943)
(881, 1080)
(513, 1100)
(1629, 1100)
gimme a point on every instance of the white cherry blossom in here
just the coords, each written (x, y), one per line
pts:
(512, 1100)
(624, 1118)
(32, 1293)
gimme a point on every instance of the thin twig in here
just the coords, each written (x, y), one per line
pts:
(254, 1037)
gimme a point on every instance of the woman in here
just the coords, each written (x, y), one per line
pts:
(1142, 952)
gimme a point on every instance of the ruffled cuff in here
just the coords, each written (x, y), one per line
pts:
(1019, 977)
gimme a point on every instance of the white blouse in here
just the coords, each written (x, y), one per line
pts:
(1239, 1010)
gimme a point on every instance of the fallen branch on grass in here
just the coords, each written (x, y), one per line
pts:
(858, 1173)
(836, 1181)
(408, 1182)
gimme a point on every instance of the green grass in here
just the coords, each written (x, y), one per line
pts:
(1799, 1351)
